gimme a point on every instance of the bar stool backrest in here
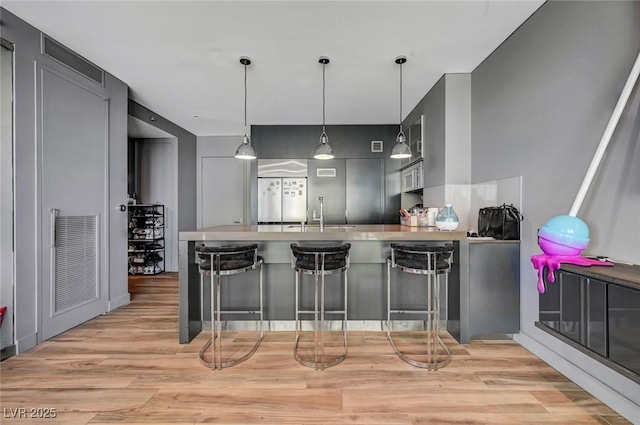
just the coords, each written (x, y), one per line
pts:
(422, 257)
(320, 258)
(227, 258)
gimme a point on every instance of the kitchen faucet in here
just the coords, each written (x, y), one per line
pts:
(321, 218)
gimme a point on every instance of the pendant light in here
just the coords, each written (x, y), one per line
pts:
(400, 148)
(245, 150)
(323, 151)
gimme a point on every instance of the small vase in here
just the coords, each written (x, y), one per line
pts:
(447, 219)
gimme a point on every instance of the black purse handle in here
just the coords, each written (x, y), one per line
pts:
(488, 222)
(513, 209)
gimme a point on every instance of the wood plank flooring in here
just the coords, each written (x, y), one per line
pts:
(127, 367)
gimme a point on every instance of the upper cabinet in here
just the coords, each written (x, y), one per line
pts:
(415, 138)
(412, 177)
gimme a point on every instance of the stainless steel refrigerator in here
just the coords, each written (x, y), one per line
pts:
(282, 199)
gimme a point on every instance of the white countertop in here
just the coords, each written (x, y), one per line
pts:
(287, 232)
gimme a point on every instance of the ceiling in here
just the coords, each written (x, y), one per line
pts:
(181, 58)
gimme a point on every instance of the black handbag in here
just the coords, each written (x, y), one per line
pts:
(501, 222)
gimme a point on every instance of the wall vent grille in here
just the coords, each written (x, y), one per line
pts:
(326, 172)
(377, 146)
(72, 60)
(76, 271)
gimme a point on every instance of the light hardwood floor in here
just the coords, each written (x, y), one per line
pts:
(127, 367)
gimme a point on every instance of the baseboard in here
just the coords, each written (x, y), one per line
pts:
(603, 392)
(26, 343)
(119, 302)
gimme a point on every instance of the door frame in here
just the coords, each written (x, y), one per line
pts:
(7, 258)
(225, 147)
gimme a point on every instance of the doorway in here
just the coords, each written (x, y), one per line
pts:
(155, 181)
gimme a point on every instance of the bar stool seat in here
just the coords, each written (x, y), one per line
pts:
(433, 262)
(226, 261)
(319, 261)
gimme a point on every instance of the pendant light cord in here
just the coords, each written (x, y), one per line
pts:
(323, 99)
(400, 97)
(245, 98)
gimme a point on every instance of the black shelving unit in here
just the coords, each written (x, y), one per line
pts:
(596, 310)
(146, 239)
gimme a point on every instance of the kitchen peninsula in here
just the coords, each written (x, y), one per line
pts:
(367, 274)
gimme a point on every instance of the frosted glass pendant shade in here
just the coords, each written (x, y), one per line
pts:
(245, 150)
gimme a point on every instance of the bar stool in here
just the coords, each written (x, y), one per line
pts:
(319, 262)
(434, 262)
(226, 261)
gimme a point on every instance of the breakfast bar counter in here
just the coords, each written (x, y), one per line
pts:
(370, 247)
(342, 232)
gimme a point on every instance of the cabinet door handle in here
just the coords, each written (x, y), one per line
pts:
(53, 214)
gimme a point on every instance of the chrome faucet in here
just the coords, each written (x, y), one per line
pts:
(321, 218)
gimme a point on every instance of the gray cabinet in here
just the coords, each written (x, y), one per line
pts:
(353, 190)
(412, 178)
(364, 191)
(414, 134)
(415, 139)
(575, 306)
(597, 310)
(327, 178)
(624, 327)
(494, 288)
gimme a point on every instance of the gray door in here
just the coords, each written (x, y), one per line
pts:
(364, 194)
(327, 179)
(74, 154)
(222, 191)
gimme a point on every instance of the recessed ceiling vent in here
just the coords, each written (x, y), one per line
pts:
(67, 57)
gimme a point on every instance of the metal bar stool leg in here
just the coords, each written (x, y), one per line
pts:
(218, 325)
(208, 343)
(261, 308)
(435, 347)
(429, 321)
(344, 320)
(446, 350)
(315, 322)
(310, 261)
(297, 285)
(216, 270)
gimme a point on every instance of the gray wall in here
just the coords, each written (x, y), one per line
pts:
(187, 156)
(347, 141)
(540, 104)
(28, 239)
